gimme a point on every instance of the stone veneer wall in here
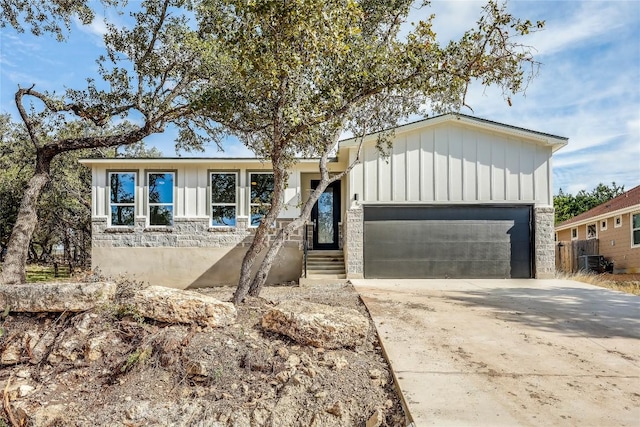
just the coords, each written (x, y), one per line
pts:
(544, 244)
(353, 243)
(186, 232)
(190, 254)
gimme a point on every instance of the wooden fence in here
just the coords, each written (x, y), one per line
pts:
(567, 253)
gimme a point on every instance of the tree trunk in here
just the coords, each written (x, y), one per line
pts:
(13, 270)
(262, 273)
(260, 238)
(257, 244)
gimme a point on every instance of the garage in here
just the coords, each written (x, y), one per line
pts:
(470, 241)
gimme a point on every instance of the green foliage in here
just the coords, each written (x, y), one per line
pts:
(567, 206)
(285, 77)
(139, 357)
(121, 311)
(64, 210)
(37, 273)
(47, 15)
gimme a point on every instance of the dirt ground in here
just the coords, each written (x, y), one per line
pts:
(108, 367)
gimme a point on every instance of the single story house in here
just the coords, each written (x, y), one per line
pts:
(616, 224)
(456, 196)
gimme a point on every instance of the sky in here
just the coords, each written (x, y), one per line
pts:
(587, 88)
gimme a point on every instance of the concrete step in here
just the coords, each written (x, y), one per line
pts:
(310, 281)
(324, 267)
(325, 262)
(326, 253)
(321, 264)
(321, 268)
(327, 275)
(335, 273)
(311, 266)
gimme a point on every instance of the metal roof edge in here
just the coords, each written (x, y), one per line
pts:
(555, 141)
(195, 160)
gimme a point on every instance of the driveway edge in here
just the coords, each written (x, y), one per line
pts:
(396, 384)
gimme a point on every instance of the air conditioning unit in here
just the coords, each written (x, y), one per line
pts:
(594, 263)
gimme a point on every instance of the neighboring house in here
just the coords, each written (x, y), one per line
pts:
(616, 224)
(456, 196)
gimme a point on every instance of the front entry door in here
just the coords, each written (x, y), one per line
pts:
(326, 216)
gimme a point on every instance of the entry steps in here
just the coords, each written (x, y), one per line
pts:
(324, 267)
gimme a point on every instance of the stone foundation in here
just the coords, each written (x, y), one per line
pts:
(188, 254)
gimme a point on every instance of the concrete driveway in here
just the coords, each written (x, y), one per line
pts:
(510, 352)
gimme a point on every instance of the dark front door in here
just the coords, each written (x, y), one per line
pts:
(326, 216)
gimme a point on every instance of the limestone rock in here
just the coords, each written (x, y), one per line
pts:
(335, 409)
(318, 325)
(197, 368)
(375, 373)
(177, 306)
(12, 352)
(375, 420)
(55, 297)
(25, 389)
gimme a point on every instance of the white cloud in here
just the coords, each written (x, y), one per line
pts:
(587, 90)
(580, 23)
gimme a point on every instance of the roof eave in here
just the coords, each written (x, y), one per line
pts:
(553, 141)
(193, 160)
(591, 219)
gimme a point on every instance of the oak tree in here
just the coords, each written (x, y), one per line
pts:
(146, 80)
(288, 78)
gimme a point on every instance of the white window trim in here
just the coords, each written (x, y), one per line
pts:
(615, 221)
(576, 234)
(172, 204)
(603, 224)
(250, 204)
(212, 203)
(110, 204)
(586, 229)
(631, 215)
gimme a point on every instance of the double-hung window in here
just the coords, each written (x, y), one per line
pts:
(122, 200)
(224, 199)
(160, 198)
(635, 232)
(261, 193)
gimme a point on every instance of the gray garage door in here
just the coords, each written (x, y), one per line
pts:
(447, 242)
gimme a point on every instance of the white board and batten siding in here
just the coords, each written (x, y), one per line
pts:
(453, 163)
(191, 192)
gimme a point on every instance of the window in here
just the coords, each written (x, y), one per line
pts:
(574, 234)
(223, 199)
(261, 192)
(617, 222)
(592, 231)
(635, 236)
(122, 201)
(161, 198)
(603, 225)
